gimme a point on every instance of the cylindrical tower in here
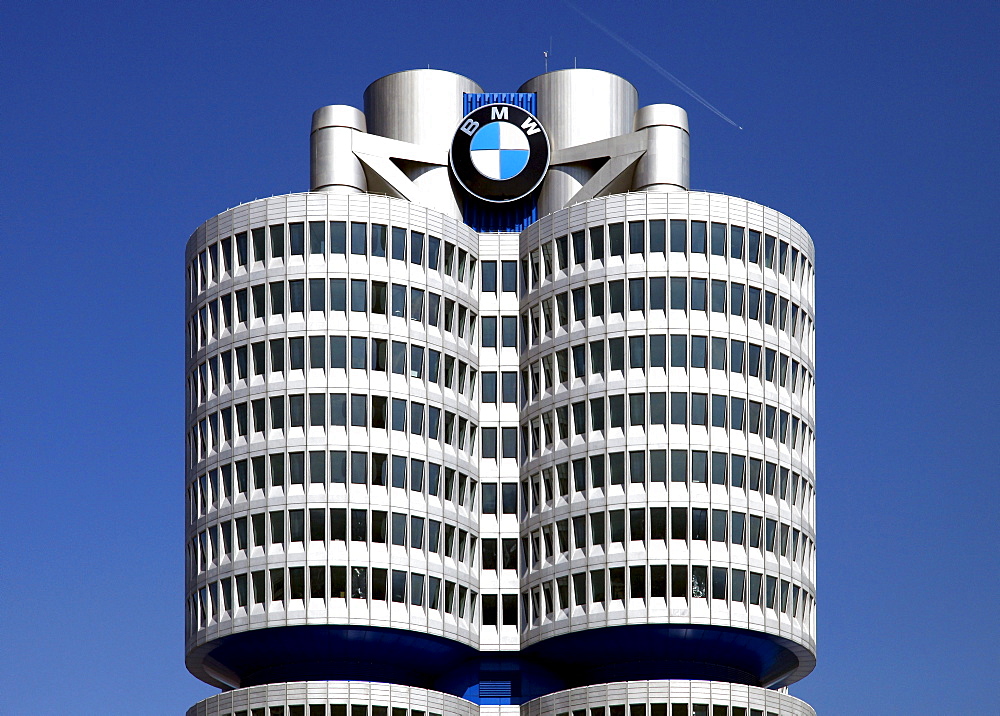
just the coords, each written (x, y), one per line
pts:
(668, 480)
(331, 455)
(562, 471)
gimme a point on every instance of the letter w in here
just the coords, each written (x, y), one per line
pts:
(530, 126)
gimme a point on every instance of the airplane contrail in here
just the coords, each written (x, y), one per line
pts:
(652, 63)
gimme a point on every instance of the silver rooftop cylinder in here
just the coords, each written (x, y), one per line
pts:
(421, 107)
(666, 165)
(417, 106)
(577, 107)
(333, 166)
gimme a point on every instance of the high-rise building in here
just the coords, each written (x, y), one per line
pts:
(500, 417)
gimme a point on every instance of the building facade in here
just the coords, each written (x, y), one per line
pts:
(500, 417)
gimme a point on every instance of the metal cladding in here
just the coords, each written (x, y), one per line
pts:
(667, 164)
(418, 106)
(333, 166)
(500, 414)
(602, 143)
(579, 107)
(421, 107)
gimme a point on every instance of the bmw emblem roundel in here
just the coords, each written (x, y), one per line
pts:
(500, 153)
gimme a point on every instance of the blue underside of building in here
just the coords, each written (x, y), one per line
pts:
(592, 656)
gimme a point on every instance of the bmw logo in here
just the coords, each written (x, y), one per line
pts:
(500, 153)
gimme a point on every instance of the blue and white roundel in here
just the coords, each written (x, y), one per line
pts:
(499, 150)
(500, 153)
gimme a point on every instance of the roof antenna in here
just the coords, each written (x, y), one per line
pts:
(546, 56)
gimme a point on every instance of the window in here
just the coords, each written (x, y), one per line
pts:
(718, 353)
(636, 237)
(416, 361)
(277, 298)
(579, 247)
(678, 351)
(597, 300)
(616, 297)
(359, 409)
(296, 353)
(736, 291)
(449, 258)
(277, 233)
(657, 409)
(296, 239)
(509, 387)
(753, 248)
(597, 415)
(241, 249)
(637, 352)
(718, 239)
(509, 329)
(509, 437)
(317, 237)
(489, 387)
(616, 407)
(678, 236)
(398, 300)
(489, 277)
(378, 240)
(719, 411)
(489, 331)
(616, 238)
(317, 410)
(509, 271)
(769, 251)
(718, 296)
(488, 443)
(399, 415)
(678, 293)
(736, 242)
(637, 294)
(699, 351)
(380, 299)
(699, 231)
(597, 243)
(359, 237)
(597, 357)
(398, 244)
(699, 409)
(359, 295)
(699, 290)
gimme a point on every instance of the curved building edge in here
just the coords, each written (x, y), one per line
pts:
(631, 698)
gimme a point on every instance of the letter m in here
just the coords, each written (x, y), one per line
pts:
(498, 113)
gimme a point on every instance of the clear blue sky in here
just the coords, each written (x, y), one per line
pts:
(125, 125)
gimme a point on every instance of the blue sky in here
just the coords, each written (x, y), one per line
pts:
(125, 125)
